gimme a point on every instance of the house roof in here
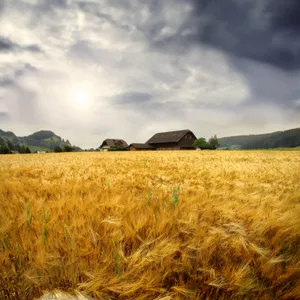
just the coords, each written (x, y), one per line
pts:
(168, 137)
(114, 143)
(141, 146)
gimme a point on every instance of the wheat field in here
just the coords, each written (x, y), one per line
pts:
(151, 225)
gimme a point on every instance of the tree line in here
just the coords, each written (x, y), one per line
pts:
(211, 144)
(65, 148)
(7, 147)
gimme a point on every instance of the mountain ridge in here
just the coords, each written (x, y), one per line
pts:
(43, 140)
(279, 139)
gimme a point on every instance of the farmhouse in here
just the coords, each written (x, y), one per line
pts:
(140, 147)
(112, 143)
(173, 140)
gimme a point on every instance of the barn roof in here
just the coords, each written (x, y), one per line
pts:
(168, 137)
(141, 146)
(114, 143)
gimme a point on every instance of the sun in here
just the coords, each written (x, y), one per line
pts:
(82, 98)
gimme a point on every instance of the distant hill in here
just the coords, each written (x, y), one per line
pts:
(43, 140)
(279, 139)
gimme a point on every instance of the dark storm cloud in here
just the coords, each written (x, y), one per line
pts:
(262, 39)
(261, 30)
(268, 84)
(285, 15)
(7, 45)
(267, 33)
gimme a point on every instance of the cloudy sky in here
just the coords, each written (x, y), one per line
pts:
(90, 70)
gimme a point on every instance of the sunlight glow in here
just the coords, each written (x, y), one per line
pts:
(82, 97)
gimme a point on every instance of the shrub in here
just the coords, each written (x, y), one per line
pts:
(57, 149)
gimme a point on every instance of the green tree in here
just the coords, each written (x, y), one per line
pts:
(201, 143)
(21, 149)
(213, 142)
(10, 145)
(4, 149)
(68, 148)
(57, 149)
(27, 150)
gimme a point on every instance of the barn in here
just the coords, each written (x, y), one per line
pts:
(113, 144)
(140, 147)
(173, 140)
